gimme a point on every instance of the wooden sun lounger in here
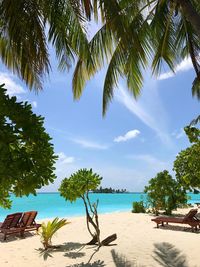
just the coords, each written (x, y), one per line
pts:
(28, 223)
(11, 224)
(19, 223)
(189, 219)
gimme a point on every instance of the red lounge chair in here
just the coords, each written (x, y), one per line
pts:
(189, 219)
(28, 223)
(11, 224)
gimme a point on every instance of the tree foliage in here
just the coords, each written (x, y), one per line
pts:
(26, 154)
(78, 185)
(165, 193)
(27, 27)
(133, 34)
(187, 163)
(136, 34)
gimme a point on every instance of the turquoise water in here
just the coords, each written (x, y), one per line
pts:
(50, 205)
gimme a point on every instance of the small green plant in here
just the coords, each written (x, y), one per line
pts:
(138, 207)
(48, 230)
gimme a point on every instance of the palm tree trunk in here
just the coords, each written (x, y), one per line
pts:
(191, 14)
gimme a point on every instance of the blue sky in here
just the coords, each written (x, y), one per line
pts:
(132, 143)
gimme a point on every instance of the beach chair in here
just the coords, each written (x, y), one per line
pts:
(190, 219)
(11, 224)
(27, 222)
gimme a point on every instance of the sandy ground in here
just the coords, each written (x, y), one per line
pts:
(139, 243)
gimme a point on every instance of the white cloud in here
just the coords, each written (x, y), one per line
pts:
(129, 135)
(185, 65)
(63, 159)
(148, 109)
(90, 144)
(12, 87)
(34, 104)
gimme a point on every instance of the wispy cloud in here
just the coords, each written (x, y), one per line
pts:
(89, 144)
(129, 135)
(151, 163)
(185, 65)
(13, 88)
(148, 159)
(179, 134)
(148, 109)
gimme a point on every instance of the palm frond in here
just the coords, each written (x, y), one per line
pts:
(66, 33)
(196, 87)
(193, 49)
(23, 43)
(48, 230)
(101, 47)
(114, 69)
(163, 37)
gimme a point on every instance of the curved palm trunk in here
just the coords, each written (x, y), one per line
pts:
(191, 14)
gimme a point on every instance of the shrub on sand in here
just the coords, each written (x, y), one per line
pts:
(138, 207)
(48, 230)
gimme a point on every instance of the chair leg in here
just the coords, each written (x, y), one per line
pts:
(22, 233)
(4, 237)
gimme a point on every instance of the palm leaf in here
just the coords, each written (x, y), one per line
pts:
(48, 230)
(23, 45)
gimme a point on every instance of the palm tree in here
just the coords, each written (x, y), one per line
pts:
(136, 33)
(48, 230)
(28, 26)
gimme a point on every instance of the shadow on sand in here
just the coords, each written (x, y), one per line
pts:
(72, 250)
(168, 255)
(178, 228)
(97, 263)
(12, 238)
(165, 254)
(121, 261)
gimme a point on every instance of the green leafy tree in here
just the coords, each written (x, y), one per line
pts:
(77, 186)
(136, 34)
(187, 163)
(49, 229)
(26, 155)
(165, 193)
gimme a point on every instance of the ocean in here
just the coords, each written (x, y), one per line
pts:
(50, 205)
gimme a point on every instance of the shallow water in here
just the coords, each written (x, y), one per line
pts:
(50, 205)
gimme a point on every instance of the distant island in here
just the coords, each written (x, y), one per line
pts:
(109, 190)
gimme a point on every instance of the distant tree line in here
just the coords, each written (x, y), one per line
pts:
(109, 190)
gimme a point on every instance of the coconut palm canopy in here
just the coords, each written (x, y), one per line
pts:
(134, 34)
(28, 26)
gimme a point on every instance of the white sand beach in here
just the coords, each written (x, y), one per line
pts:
(139, 243)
